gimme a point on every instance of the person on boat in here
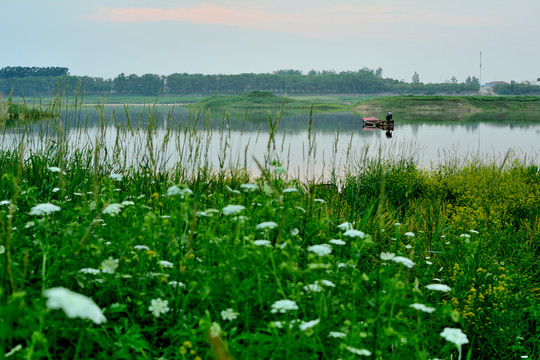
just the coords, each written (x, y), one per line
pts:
(389, 116)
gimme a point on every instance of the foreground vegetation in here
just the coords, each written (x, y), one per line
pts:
(376, 264)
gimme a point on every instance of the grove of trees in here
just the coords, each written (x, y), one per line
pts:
(48, 81)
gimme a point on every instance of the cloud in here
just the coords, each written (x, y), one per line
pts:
(336, 20)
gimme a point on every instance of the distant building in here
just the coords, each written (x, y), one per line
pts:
(493, 83)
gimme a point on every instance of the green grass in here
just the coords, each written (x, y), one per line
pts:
(126, 236)
(454, 103)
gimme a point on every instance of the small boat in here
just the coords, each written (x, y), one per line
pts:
(371, 121)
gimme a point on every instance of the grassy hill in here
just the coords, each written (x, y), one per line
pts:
(450, 103)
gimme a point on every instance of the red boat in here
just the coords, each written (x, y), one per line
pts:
(372, 121)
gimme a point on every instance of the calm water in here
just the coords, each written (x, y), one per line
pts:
(330, 142)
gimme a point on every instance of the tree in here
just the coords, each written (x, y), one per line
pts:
(416, 78)
(378, 72)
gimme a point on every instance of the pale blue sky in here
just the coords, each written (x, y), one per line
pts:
(437, 39)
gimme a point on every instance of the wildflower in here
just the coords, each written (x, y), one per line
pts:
(295, 232)
(55, 189)
(29, 224)
(283, 306)
(408, 246)
(473, 231)
(315, 287)
(328, 283)
(232, 190)
(249, 187)
(113, 209)
(422, 307)
(397, 224)
(90, 271)
(345, 226)
(266, 243)
(215, 330)
(305, 325)
(233, 209)
(166, 264)
(229, 314)
(322, 201)
(74, 304)
(337, 334)
(44, 209)
(354, 233)
(5, 202)
(280, 170)
(2, 249)
(455, 336)
(321, 250)
(141, 247)
(337, 242)
(127, 203)
(387, 256)
(266, 225)
(403, 260)
(109, 265)
(290, 190)
(175, 190)
(116, 177)
(356, 351)
(159, 307)
(54, 169)
(465, 235)
(439, 287)
(13, 351)
(409, 234)
(174, 283)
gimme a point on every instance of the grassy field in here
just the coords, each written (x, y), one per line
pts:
(389, 261)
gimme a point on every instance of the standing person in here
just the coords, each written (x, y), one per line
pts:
(389, 117)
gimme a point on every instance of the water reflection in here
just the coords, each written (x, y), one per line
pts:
(325, 144)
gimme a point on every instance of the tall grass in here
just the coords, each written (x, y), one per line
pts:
(195, 261)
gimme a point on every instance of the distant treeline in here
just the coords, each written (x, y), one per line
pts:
(48, 81)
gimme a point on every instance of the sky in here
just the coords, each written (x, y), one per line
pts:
(437, 39)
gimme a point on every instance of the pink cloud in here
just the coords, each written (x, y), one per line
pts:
(336, 20)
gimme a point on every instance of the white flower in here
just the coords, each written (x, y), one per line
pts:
(5, 202)
(408, 246)
(116, 177)
(90, 271)
(409, 234)
(345, 226)
(175, 190)
(321, 250)
(304, 325)
(127, 203)
(175, 283)
(159, 307)
(289, 190)
(465, 235)
(337, 334)
(315, 287)
(328, 283)
(473, 231)
(233, 209)
(215, 330)
(229, 314)
(295, 232)
(232, 190)
(280, 170)
(356, 351)
(54, 169)
(44, 209)
(337, 242)
(55, 189)
(109, 265)
(29, 224)
(455, 336)
(397, 224)
(422, 307)
(354, 233)
(322, 201)
(141, 247)
(74, 304)
(266, 243)
(166, 264)
(403, 260)
(387, 256)
(266, 225)
(113, 209)
(18, 348)
(439, 287)
(2, 249)
(249, 187)
(283, 306)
